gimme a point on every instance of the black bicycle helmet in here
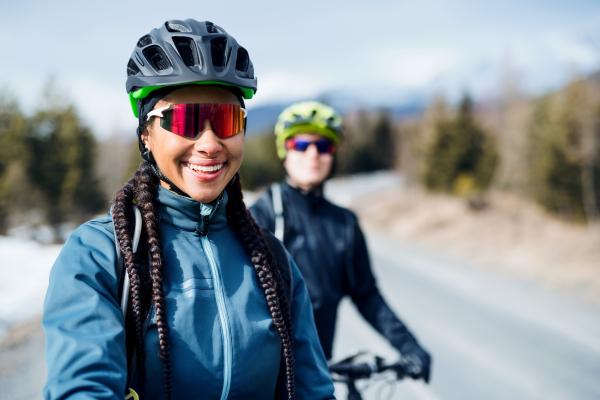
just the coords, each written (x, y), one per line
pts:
(187, 52)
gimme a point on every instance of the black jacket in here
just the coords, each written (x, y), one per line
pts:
(329, 247)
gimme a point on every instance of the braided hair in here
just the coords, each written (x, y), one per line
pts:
(142, 188)
(250, 234)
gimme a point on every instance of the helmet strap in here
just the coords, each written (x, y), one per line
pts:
(159, 174)
(147, 155)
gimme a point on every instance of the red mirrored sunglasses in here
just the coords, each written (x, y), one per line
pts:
(187, 120)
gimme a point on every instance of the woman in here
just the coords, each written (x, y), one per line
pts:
(218, 318)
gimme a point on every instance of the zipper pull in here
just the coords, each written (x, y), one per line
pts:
(205, 211)
(205, 225)
(205, 222)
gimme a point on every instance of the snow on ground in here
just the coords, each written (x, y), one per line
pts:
(24, 270)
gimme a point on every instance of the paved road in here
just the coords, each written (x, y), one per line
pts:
(491, 337)
(22, 362)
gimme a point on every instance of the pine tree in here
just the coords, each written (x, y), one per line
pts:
(369, 143)
(564, 170)
(64, 168)
(15, 191)
(462, 157)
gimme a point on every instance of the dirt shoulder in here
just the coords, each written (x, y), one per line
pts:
(511, 235)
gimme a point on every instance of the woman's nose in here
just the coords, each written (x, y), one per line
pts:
(208, 142)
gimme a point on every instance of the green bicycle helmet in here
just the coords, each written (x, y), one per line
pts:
(307, 117)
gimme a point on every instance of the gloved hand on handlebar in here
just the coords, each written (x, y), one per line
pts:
(418, 360)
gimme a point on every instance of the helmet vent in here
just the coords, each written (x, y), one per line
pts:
(157, 58)
(187, 50)
(212, 28)
(242, 61)
(217, 51)
(177, 26)
(144, 41)
(132, 68)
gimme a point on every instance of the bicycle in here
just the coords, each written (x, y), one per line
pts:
(348, 371)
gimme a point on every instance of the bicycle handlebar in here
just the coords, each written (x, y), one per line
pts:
(365, 370)
(348, 371)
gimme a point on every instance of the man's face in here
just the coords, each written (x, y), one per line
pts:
(309, 168)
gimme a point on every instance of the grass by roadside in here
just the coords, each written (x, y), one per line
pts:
(511, 235)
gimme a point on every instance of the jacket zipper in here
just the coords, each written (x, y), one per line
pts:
(220, 297)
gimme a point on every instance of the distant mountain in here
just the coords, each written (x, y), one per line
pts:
(261, 119)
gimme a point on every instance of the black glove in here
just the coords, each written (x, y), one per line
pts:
(417, 360)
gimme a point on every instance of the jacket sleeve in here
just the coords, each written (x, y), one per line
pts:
(313, 381)
(85, 336)
(263, 213)
(369, 301)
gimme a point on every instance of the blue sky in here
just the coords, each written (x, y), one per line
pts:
(377, 51)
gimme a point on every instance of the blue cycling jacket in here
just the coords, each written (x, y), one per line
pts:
(224, 344)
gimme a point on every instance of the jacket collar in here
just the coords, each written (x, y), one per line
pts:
(311, 199)
(186, 213)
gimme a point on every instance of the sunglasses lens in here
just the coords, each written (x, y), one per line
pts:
(297, 145)
(300, 145)
(188, 120)
(324, 146)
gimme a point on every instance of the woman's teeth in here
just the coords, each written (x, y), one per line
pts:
(211, 168)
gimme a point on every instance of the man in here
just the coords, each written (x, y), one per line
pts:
(326, 240)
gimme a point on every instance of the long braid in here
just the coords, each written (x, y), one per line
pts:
(270, 280)
(120, 203)
(288, 350)
(147, 185)
(284, 307)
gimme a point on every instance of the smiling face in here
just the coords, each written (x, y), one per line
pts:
(307, 169)
(200, 167)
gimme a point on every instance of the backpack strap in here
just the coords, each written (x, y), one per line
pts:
(123, 297)
(120, 264)
(278, 209)
(123, 276)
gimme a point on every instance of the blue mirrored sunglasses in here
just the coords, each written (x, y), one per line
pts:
(324, 146)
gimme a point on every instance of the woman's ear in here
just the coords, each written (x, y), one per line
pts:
(146, 140)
